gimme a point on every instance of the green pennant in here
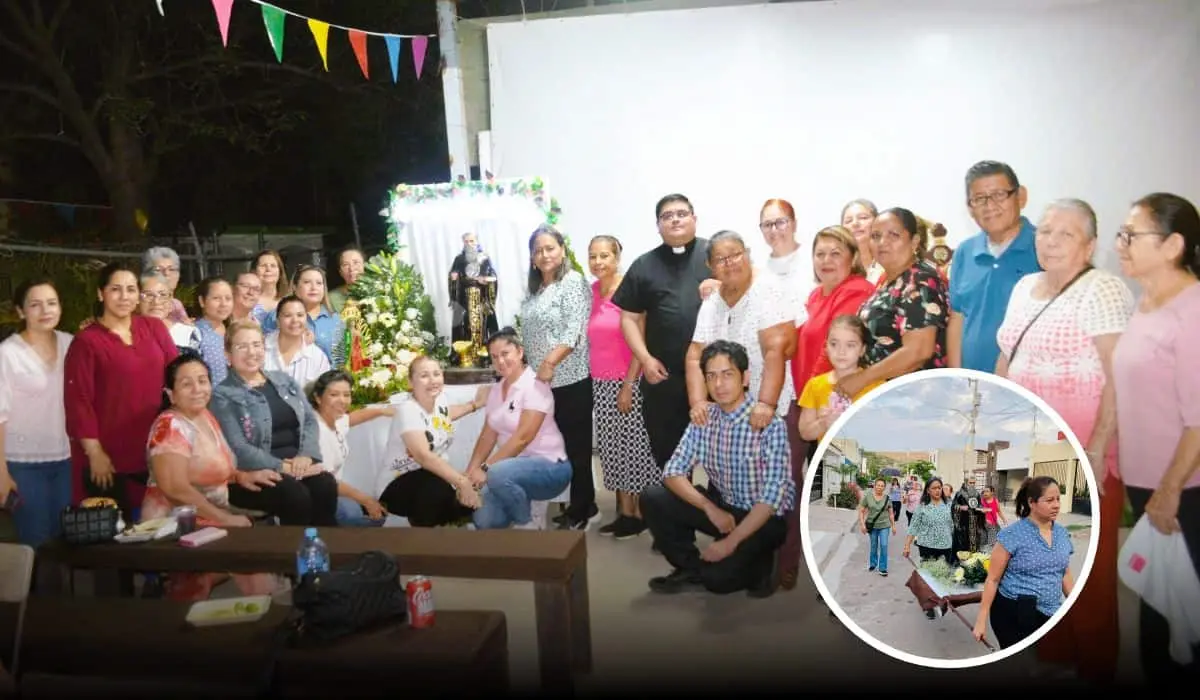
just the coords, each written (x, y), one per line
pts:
(273, 19)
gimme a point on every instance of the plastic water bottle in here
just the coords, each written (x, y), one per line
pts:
(313, 555)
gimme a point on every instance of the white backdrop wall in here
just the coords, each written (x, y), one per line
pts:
(822, 102)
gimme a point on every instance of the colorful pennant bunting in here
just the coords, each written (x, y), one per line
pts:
(358, 42)
(393, 47)
(274, 20)
(419, 45)
(320, 32)
(223, 9)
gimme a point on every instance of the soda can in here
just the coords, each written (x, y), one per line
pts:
(420, 602)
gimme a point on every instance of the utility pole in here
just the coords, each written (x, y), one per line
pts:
(1033, 436)
(969, 451)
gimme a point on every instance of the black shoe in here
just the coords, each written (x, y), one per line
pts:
(767, 582)
(560, 519)
(677, 581)
(931, 614)
(882, 572)
(628, 528)
(610, 529)
(574, 523)
(870, 569)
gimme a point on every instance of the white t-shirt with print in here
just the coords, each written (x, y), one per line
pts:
(764, 305)
(438, 430)
(334, 447)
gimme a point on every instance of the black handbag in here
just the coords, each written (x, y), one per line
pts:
(90, 524)
(330, 605)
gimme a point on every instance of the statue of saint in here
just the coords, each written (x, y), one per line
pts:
(970, 521)
(472, 297)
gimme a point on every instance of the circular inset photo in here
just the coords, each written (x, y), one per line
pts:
(946, 518)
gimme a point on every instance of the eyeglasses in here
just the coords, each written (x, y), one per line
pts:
(728, 260)
(247, 347)
(165, 269)
(1000, 197)
(675, 214)
(775, 225)
(1125, 236)
(155, 296)
(257, 289)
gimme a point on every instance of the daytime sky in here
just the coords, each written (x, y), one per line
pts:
(934, 413)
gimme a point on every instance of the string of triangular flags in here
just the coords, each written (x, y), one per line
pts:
(273, 21)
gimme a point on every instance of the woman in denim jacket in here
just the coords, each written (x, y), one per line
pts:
(270, 425)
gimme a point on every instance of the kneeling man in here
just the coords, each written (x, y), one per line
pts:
(749, 490)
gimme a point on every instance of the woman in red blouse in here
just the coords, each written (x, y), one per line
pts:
(842, 289)
(114, 387)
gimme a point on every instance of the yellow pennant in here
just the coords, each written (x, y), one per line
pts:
(320, 32)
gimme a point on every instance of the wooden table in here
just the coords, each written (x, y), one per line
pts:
(147, 641)
(555, 561)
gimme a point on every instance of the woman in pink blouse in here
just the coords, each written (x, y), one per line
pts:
(1158, 395)
(1057, 340)
(625, 455)
(114, 385)
(520, 456)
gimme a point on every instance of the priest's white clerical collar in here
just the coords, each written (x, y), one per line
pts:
(679, 250)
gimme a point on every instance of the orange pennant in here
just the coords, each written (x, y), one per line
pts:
(358, 42)
(320, 32)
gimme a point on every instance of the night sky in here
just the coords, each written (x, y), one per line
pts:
(228, 136)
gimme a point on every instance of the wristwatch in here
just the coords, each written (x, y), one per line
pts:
(483, 467)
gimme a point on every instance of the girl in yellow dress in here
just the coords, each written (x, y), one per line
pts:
(820, 403)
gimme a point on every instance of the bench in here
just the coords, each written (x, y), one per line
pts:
(555, 561)
(135, 643)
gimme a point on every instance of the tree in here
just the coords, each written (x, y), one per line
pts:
(128, 88)
(922, 468)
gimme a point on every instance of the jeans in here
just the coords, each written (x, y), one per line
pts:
(512, 484)
(44, 489)
(879, 543)
(350, 514)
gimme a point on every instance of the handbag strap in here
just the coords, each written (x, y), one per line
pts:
(1038, 315)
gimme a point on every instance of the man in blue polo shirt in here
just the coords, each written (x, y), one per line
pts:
(987, 266)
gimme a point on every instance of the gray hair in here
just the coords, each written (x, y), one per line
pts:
(153, 277)
(153, 255)
(725, 236)
(1079, 207)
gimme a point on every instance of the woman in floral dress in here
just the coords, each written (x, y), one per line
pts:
(192, 465)
(907, 314)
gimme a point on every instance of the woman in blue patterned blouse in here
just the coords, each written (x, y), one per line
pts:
(932, 528)
(1029, 576)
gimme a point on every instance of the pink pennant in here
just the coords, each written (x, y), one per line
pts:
(419, 44)
(223, 9)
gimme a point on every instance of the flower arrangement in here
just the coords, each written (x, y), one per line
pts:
(534, 190)
(390, 323)
(972, 570)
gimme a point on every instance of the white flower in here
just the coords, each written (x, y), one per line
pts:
(374, 349)
(371, 318)
(405, 357)
(406, 326)
(387, 319)
(385, 361)
(381, 377)
(412, 314)
(365, 380)
(401, 339)
(427, 337)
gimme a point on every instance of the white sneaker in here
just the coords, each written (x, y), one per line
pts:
(531, 525)
(539, 509)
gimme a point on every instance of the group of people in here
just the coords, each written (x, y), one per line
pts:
(658, 357)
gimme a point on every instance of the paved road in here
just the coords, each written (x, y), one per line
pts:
(885, 608)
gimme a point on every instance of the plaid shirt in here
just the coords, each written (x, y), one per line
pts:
(746, 467)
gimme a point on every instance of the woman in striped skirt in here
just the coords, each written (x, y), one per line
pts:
(625, 455)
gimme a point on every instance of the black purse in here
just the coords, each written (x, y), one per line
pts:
(90, 525)
(333, 604)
